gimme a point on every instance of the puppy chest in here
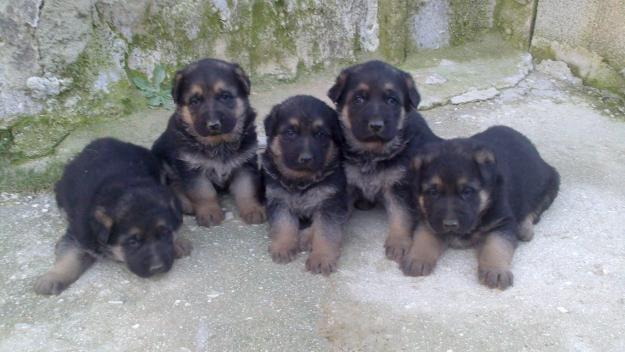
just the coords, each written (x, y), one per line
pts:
(217, 170)
(373, 183)
(303, 204)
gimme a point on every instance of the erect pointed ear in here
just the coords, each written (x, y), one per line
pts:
(101, 225)
(412, 95)
(271, 121)
(336, 92)
(176, 85)
(485, 159)
(243, 79)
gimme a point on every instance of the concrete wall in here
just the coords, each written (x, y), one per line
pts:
(589, 35)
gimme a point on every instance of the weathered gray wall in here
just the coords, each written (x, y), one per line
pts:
(589, 35)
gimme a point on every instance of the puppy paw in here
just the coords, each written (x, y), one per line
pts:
(182, 247)
(210, 216)
(417, 265)
(50, 284)
(397, 247)
(321, 263)
(253, 214)
(494, 277)
(282, 252)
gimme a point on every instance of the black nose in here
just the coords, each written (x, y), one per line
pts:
(304, 158)
(213, 125)
(376, 125)
(450, 224)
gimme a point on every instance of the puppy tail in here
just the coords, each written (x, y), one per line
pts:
(551, 191)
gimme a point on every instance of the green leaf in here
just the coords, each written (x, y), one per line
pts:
(158, 75)
(155, 101)
(141, 83)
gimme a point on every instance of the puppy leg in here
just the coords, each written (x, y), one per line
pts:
(424, 253)
(185, 202)
(205, 202)
(526, 228)
(244, 188)
(283, 229)
(305, 239)
(71, 262)
(401, 224)
(494, 260)
(326, 245)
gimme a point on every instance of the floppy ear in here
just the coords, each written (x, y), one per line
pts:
(176, 92)
(338, 88)
(101, 225)
(243, 79)
(271, 120)
(486, 162)
(412, 94)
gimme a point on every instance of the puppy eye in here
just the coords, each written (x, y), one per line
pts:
(320, 134)
(225, 96)
(133, 241)
(467, 192)
(195, 100)
(290, 132)
(432, 192)
(358, 100)
(392, 101)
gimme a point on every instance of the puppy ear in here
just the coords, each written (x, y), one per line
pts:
(101, 225)
(335, 127)
(271, 121)
(244, 80)
(486, 162)
(176, 85)
(338, 88)
(413, 97)
(176, 208)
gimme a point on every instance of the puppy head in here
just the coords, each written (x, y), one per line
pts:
(138, 228)
(454, 183)
(212, 100)
(303, 137)
(373, 99)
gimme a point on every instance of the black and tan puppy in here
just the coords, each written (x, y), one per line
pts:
(306, 186)
(377, 106)
(117, 208)
(210, 144)
(486, 191)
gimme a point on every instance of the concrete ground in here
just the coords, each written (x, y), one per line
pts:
(569, 291)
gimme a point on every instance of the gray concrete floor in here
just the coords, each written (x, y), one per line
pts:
(569, 291)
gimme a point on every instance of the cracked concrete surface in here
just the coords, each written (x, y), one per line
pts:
(569, 291)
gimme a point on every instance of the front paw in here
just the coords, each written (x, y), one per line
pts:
(210, 216)
(50, 284)
(494, 277)
(321, 263)
(283, 252)
(182, 247)
(254, 214)
(397, 247)
(417, 265)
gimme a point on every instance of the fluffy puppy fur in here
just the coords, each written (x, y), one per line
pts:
(210, 143)
(377, 104)
(116, 208)
(306, 186)
(486, 191)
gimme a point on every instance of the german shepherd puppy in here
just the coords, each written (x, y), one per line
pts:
(210, 142)
(117, 208)
(377, 106)
(486, 191)
(306, 187)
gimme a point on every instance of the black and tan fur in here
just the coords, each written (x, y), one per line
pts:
(486, 191)
(305, 184)
(377, 106)
(116, 208)
(210, 143)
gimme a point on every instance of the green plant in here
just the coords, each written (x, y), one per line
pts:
(158, 90)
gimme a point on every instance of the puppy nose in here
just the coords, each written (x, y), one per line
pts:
(376, 125)
(304, 158)
(213, 125)
(451, 224)
(157, 267)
